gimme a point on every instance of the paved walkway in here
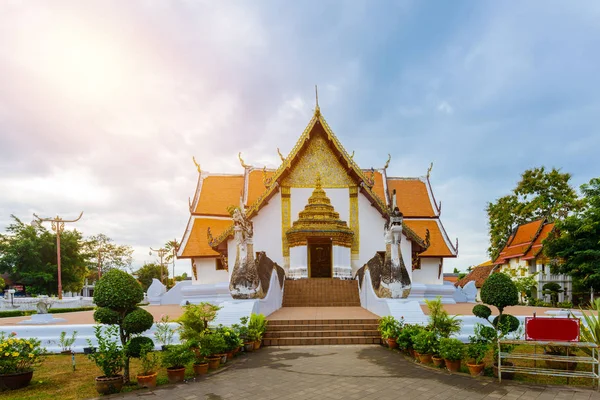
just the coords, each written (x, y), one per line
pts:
(346, 372)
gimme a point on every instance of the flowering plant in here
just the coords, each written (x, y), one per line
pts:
(19, 355)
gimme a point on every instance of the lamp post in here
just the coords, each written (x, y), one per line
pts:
(161, 253)
(100, 251)
(58, 225)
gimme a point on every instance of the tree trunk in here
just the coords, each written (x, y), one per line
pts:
(124, 341)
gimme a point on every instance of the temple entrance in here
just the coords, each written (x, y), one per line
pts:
(320, 260)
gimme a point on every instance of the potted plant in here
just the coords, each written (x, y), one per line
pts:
(258, 326)
(405, 335)
(232, 340)
(175, 358)
(451, 350)
(476, 352)
(211, 346)
(150, 361)
(195, 320)
(389, 329)
(66, 342)
(18, 357)
(164, 333)
(110, 358)
(425, 343)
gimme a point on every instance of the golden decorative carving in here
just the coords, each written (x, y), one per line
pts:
(280, 155)
(266, 180)
(354, 220)
(387, 163)
(318, 158)
(429, 170)
(244, 165)
(196, 164)
(319, 219)
(194, 270)
(285, 222)
(352, 155)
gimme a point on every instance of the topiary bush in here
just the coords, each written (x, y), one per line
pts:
(135, 345)
(116, 295)
(500, 291)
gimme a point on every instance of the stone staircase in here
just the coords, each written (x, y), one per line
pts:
(321, 292)
(321, 332)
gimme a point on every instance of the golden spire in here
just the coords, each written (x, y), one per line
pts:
(429, 170)
(242, 161)
(387, 163)
(197, 165)
(280, 155)
(317, 108)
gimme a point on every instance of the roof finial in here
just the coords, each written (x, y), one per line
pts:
(318, 183)
(429, 170)
(280, 155)
(317, 109)
(197, 165)
(244, 165)
(387, 163)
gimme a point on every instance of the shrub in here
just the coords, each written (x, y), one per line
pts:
(16, 313)
(405, 337)
(164, 333)
(258, 323)
(565, 304)
(451, 349)
(482, 311)
(195, 320)
(442, 324)
(19, 355)
(177, 356)
(135, 345)
(116, 295)
(500, 291)
(231, 337)
(66, 343)
(109, 355)
(476, 351)
(149, 360)
(66, 310)
(212, 343)
(389, 327)
(425, 342)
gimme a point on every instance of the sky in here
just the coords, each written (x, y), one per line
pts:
(104, 103)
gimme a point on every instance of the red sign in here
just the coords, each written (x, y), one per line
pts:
(552, 329)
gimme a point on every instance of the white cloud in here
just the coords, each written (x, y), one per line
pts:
(445, 108)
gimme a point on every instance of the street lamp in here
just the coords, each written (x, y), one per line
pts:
(161, 253)
(58, 225)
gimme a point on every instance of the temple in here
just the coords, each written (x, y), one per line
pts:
(317, 216)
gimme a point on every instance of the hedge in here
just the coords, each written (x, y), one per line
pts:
(65, 310)
(21, 313)
(16, 313)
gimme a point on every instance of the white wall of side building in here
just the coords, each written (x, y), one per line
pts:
(428, 274)
(267, 230)
(231, 254)
(371, 238)
(340, 200)
(206, 269)
(406, 248)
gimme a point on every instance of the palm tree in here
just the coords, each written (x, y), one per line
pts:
(172, 247)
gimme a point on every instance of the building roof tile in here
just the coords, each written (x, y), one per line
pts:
(438, 246)
(412, 197)
(197, 243)
(478, 274)
(519, 243)
(218, 193)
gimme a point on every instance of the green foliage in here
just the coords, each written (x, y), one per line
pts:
(576, 240)
(590, 331)
(195, 320)
(389, 327)
(147, 272)
(442, 324)
(506, 323)
(425, 342)
(135, 345)
(148, 359)
(19, 355)
(482, 311)
(28, 255)
(177, 356)
(109, 355)
(500, 291)
(451, 349)
(526, 284)
(107, 316)
(66, 342)
(539, 193)
(231, 337)
(477, 350)
(565, 304)
(164, 333)
(118, 290)
(211, 342)
(404, 340)
(257, 325)
(105, 254)
(67, 310)
(16, 313)
(137, 321)
(2, 283)
(552, 289)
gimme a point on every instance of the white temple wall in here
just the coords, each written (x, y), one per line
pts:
(406, 248)
(428, 274)
(267, 230)
(340, 200)
(208, 273)
(370, 223)
(231, 254)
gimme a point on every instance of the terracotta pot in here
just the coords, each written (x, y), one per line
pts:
(109, 384)
(176, 374)
(201, 369)
(223, 358)
(213, 362)
(230, 355)
(412, 353)
(437, 361)
(392, 344)
(416, 355)
(15, 381)
(476, 369)
(425, 358)
(452, 365)
(147, 381)
(505, 375)
(257, 344)
(249, 346)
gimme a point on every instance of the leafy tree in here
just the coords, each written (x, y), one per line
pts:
(2, 283)
(28, 255)
(539, 193)
(181, 277)
(148, 272)
(552, 289)
(172, 247)
(116, 295)
(576, 240)
(525, 285)
(105, 255)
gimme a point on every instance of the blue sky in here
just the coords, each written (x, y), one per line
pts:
(103, 103)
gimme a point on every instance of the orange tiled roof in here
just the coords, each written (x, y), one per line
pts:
(438, 247)
(412, 197)
(256, 186)
(520, 242)
(218, 193)
(537, 246)
(478, 274)
(377, 188)
(197, 244)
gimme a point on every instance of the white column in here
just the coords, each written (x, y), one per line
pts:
(342, 267)
(298, 262)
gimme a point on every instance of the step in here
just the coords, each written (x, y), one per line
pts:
(322, 321)
(320, 341)
(323, 304)
(324, 333)
(323, 327)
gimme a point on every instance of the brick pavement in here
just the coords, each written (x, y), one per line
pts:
(346, 372)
